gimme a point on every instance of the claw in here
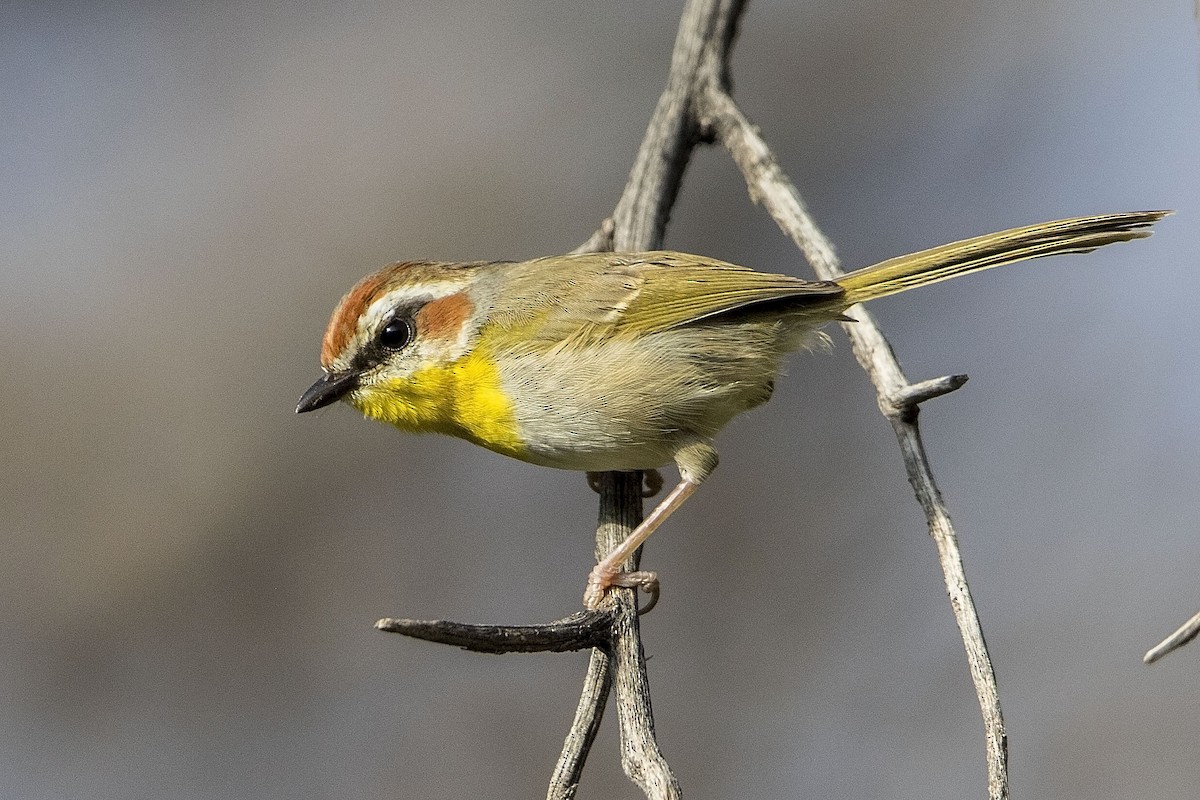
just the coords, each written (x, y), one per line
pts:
(652, 587)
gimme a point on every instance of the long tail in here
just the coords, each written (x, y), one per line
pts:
(1079, 235)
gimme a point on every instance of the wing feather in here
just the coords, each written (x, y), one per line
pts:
(576, 298)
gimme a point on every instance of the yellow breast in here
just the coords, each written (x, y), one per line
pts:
(463, 399)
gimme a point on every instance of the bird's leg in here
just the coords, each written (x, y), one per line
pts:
(696, 460)
(608, 572)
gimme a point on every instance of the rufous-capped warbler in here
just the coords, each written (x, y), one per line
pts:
(616, 361)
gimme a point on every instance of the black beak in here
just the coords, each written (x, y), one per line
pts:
(328, 389)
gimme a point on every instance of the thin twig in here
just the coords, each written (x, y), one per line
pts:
(897, 398)
(1182, 635)
(906, 400)
(576, 632)
(569, 768)
(601, 240)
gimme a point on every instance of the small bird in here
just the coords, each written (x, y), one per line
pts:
(616, 361)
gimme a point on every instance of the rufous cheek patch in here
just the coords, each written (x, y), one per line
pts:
(443, 318)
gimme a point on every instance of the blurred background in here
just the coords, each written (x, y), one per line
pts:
(191, 572)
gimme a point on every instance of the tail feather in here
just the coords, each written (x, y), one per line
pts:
(1078, 235)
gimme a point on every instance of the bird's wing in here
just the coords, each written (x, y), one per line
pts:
(680, 289)
(579, 297)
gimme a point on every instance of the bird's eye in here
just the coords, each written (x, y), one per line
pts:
(396, 334)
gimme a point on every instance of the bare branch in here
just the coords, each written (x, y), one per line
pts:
(897, 398)
(576, 632)
(641, 757)
(698, 89)
(641, 214)
(908, 398)
(569, 768)
(1182, 635)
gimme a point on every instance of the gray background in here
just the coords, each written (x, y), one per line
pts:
(190, 572)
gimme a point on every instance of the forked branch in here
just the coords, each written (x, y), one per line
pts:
(697, 107)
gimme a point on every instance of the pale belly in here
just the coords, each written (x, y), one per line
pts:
(627, 405)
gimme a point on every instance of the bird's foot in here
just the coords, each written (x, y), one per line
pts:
(602, 579)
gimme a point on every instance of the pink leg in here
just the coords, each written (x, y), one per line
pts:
(608, 572)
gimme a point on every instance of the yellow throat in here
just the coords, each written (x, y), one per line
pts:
(463, 398)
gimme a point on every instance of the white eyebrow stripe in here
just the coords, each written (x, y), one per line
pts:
(383, 305)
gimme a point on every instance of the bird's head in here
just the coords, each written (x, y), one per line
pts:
(391, 339)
